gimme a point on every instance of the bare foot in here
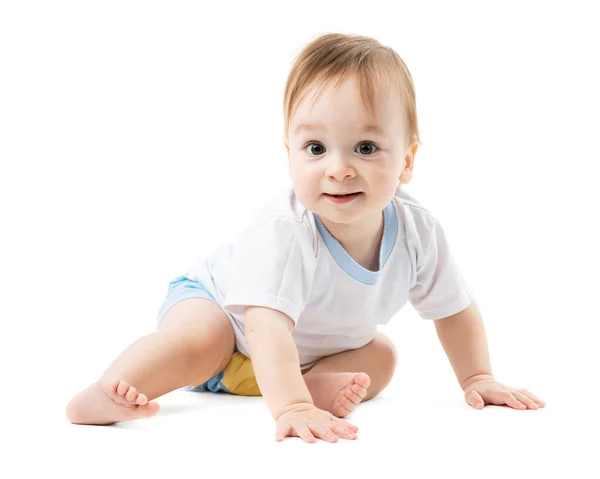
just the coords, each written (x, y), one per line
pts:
(109, 403)
(338, 393)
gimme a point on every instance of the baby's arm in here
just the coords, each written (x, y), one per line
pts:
(275, 359)
(463, 338)
(277, 369)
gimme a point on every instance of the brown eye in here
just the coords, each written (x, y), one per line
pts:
(315, 149)
(367, 148)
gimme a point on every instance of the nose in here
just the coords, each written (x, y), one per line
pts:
(339, 168)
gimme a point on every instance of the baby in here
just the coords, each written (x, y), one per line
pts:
(304, 287)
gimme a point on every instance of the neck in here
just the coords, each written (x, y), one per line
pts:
(361, 240)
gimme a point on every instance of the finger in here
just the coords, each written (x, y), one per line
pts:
(343, 422)
(539, 402)
(283, 431)
(343, 432)
(525, 400)
(474, 399)
(323, 433)
(513, 402)
(305, 434)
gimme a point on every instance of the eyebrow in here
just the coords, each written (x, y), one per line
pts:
(319, 126)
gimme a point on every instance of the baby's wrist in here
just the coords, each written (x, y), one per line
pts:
(296, 406)
(473, 379)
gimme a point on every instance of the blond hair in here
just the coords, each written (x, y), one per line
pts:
(335, 55)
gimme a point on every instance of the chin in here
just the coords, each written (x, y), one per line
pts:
(342, 217)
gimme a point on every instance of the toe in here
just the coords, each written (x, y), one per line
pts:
(355, 398)
(359, 390)
(141, 399)
(122, 388)
(131, 394)
(362, 379)
(347, 403)
(341, 411)
(111, 389)
(148, 410)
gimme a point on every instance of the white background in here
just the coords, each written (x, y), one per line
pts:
(136, 136)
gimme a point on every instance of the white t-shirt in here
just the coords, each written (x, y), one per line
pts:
(287, 260)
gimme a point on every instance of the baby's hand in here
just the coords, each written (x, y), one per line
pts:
(488, 391)
(308, 422)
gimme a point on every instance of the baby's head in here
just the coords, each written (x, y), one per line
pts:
(350, 126)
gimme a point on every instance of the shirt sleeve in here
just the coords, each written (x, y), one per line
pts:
(440, 289)
(273, 266)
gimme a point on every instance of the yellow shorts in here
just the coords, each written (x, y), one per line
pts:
(237, 378)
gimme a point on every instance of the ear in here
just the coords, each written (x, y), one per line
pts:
(286, 144)
(409, 165)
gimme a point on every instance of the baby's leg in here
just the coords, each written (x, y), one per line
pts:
(194, 342)
(338, 383)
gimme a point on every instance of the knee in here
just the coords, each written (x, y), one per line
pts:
(200, 333)
(208, 347)
(201, 354)
(387, 358)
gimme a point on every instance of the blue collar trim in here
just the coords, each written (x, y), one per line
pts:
(347, 263)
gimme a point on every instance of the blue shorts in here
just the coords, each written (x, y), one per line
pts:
(179, 289)
(238, 376)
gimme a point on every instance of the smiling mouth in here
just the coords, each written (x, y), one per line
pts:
(342, 199)
(343, 195)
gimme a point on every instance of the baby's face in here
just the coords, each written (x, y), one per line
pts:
(338, 147)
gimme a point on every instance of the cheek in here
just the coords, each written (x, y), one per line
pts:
(385, 179)
(381, 173)
(296, 171)
(301, 170)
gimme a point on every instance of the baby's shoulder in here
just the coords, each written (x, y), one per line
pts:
(281, 213)
(418, 222)
(413, 211)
